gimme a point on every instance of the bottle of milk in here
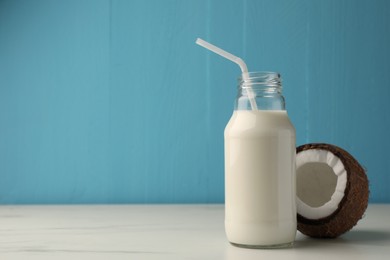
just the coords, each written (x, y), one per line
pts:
(260, 210)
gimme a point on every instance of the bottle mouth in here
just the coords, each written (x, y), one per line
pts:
(260, 79)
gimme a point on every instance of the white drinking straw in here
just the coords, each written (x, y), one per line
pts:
(235, 59)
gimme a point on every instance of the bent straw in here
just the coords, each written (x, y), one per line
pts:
(235, 59)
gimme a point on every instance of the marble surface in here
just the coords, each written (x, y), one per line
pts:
(165, 232)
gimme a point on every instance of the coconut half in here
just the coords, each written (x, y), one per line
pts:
(332, 190)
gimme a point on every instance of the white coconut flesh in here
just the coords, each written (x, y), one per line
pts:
(321, 182)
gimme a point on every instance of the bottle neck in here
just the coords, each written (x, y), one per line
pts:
(264, 87)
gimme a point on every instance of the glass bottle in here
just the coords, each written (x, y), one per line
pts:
(260, 207)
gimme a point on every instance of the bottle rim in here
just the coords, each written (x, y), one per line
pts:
(261, 79)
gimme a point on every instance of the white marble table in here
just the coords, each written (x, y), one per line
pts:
(165, 232)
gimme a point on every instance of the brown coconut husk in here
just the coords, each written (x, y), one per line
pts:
(352, 206)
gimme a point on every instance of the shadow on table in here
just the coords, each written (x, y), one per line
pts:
(309, 248)
(353, 237)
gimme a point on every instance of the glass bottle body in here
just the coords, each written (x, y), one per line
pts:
(260, 209)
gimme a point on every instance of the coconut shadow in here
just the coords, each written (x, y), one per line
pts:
(366, 237)
(353, 237)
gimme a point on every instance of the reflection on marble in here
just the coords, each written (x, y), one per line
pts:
(163, 232)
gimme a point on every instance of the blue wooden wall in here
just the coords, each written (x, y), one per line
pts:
(112, 102)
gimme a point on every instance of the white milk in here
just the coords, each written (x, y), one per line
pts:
(260, 208)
